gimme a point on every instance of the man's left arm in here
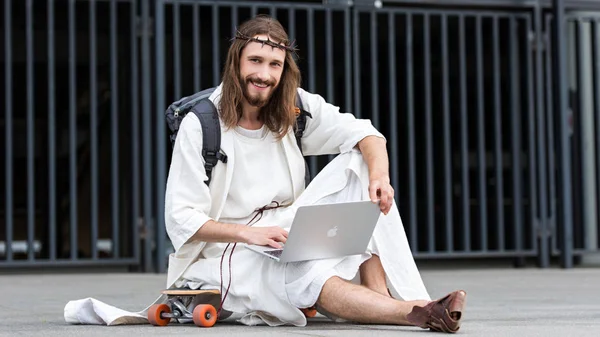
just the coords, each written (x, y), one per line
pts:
(375, 154)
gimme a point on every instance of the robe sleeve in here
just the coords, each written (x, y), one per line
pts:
(187, 198)
(330, 131)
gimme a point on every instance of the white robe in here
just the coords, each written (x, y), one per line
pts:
(272, 291)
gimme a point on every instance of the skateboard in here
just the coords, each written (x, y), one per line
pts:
(186, 304)
(203, 314)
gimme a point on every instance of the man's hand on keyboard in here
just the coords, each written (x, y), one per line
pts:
(264, 236)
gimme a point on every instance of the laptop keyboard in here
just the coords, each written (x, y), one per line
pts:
(276, 253)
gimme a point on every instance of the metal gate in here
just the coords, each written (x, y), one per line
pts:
(70, 125)
(490, 119)
(575, 232)
(463, 134)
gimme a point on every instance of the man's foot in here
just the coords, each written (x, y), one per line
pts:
(442, 315)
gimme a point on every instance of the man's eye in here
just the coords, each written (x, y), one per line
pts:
(276, 64)
(254, 60)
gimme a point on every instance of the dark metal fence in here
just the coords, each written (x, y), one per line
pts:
(582, 143)
(70, 123)
(464, 130)
(466, 93)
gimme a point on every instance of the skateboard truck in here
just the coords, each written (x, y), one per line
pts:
(178, 310)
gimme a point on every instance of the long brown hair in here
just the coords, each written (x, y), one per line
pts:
(279, 113)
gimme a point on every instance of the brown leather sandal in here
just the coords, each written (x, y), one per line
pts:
(442, 315)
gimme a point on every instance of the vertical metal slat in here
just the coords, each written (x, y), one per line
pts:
(428, 135)
(51, 135)
(447, 139)
(516, 135)
(541, 141)
(114, 99)
(234, 19)
(482, 167)
(348, 58)
(374, 72)
(31, 211)
(394, 160)
(292, 23)
(147, 109)
(464, 154)
(584, 132)
(8, 128)
(551, 152)
(561, 105)
(135, 131)
(596, 65)
(215, 44)
(177, 51)
(329, 58)
(311, 72)
(160, 144)
(357, 72)
(93, 130)
(329, 54)
(412, 175)
(196, 47)
(73, 232)
(531, 148)
(498, 163)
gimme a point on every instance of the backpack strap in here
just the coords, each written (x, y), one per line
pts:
(207, 114)
(299, 131)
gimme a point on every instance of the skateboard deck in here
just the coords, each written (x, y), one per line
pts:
(189, 292)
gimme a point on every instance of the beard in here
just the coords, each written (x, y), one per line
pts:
(258, 99)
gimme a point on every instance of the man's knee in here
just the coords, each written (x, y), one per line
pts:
(328, 288)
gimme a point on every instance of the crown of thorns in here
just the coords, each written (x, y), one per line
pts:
(291, 47)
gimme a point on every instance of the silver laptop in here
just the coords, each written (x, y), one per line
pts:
(326, 231)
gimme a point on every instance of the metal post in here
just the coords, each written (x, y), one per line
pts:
(544, 254)
(582, 80)
(564, 150)
(8, 123)
(51, 133)
(161, 153)
(147, 115)
(30, 132)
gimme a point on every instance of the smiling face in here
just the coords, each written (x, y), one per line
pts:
(260, 76)
(261, 67)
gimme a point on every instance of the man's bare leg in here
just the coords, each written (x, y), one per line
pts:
(360, 304)
(372, 275)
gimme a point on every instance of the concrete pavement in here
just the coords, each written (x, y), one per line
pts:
(501, 302)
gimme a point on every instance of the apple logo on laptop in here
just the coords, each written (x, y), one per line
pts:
(332, 232)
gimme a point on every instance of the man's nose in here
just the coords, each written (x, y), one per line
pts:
(263, 74)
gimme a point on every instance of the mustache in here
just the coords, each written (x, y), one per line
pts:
(259, 81)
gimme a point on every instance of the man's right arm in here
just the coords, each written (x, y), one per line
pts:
(188, 201)
(213, 231)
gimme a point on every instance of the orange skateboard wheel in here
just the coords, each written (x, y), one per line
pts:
(205, 315)
(309, 312)
(155, 314)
